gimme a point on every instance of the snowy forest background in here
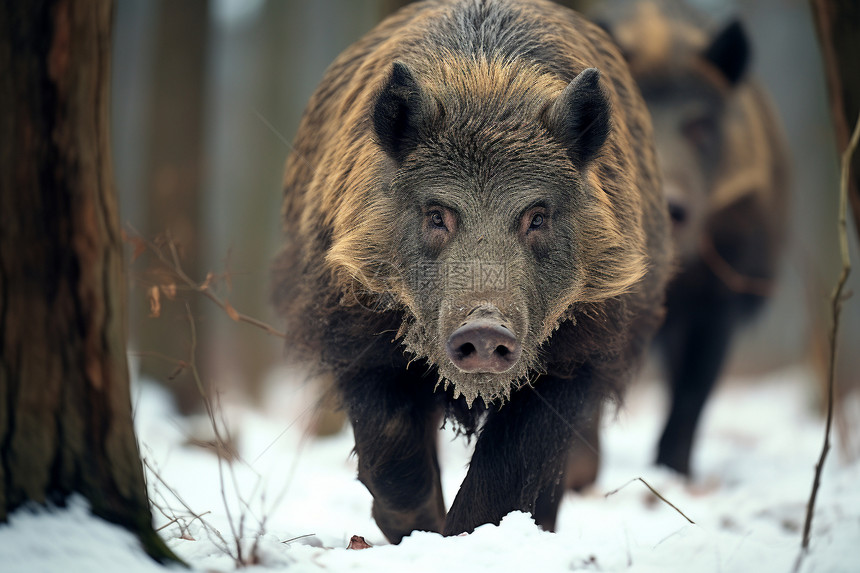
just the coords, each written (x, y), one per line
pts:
(206, 98)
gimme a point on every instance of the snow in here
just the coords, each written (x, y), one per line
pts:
(754, 464)
(37, 540)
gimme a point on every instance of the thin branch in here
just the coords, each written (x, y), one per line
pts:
(291, 539)
(655, 492)
(220, 443)
(158, 355)
(187, 507)
(168, 256)
(203, 288)
(224, 453)
(836, 301)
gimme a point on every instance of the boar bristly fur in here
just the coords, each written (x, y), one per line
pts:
(474, 229)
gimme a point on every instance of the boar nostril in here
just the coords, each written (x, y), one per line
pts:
(466, 349)
(483, 345)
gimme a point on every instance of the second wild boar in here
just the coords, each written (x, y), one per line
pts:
(725, 171)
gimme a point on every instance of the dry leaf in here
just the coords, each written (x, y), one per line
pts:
(154, 302)
(358, 542)
(180, 368)
(231, 312)
(138, 244)
(168, 290)
(139, 248)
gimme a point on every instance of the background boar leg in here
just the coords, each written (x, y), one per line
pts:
(694, 347)
(395, 421)
(521, 455)
(583, 461)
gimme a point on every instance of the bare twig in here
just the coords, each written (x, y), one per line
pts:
(220, 442)
(224, 454)
(187, 507)
(836, 300)
(655, 492)
(159, 356)
(204, 288)
(173, 274)
(179, 517)
(169, 523)
(291, 539)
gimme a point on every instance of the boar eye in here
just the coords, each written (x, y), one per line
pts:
(437, 220)
(535, 219)
(701, 131)
(677, 213)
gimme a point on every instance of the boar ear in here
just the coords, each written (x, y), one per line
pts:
(729, 51)
(398, 111)
(579, 118)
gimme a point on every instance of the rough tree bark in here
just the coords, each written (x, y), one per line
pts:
(838, 25)
(65, 410)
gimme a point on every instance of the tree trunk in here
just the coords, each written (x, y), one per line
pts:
(838, 26)
(65, 411)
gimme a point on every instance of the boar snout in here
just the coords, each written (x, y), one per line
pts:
(484, 344)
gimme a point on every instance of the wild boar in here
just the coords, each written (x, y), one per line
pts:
(475, 230)
(725, 171)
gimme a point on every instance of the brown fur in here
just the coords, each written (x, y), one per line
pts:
(664, 43)
(336, 216)
(733, 191)
(488, 74)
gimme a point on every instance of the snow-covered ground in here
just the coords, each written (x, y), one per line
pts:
(754, 464)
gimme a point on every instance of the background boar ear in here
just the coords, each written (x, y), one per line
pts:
(397, 112)
(729, 51)
(579, 118)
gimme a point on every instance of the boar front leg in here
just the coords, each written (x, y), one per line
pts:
(694, 348)
(395, 421)
(520, 456)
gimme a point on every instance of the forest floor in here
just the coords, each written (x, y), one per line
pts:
(294, 501)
